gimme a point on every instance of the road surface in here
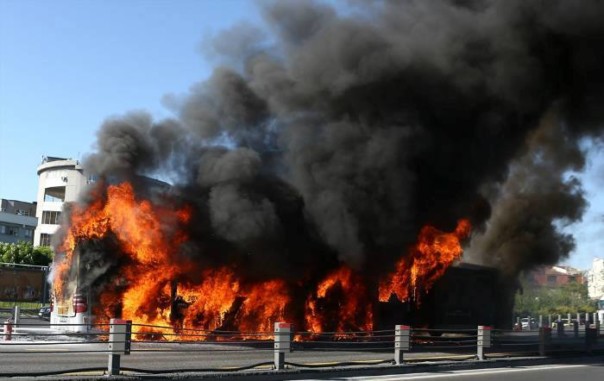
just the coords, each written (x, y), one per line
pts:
(552, 372)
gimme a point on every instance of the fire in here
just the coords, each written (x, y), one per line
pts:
(340, 304)
(149, 275)
(171, 297)
(428, 260)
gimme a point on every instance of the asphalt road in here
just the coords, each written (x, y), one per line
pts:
(18, 357)
(551, 372)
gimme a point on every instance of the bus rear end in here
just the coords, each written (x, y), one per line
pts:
(72, 314)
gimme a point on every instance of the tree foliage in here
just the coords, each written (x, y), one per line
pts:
(570, 298)
(25, 253)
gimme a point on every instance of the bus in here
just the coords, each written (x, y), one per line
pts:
(72, 314)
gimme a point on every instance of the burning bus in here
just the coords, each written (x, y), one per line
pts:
(126, 256)
(316, 179)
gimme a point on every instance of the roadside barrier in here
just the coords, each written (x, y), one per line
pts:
(123, 341)
(8, 330)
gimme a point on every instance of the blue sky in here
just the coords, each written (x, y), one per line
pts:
(65, 66)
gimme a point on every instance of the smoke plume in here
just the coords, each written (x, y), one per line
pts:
(336, 135)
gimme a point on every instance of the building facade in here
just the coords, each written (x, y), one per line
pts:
(17, 221)
(595, 279)
(59, 181)
(555, 276)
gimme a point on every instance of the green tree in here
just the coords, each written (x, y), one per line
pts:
(24, 253)
(569, 298)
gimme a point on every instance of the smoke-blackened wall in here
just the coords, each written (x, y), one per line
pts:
(338, 133)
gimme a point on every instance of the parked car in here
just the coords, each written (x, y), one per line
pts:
(44, 313)
(527, 324)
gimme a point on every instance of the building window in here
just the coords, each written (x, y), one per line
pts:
(54, 194)
(551, 280)
(45, 239)
(2, 229)
(51, 218)
(27, 233)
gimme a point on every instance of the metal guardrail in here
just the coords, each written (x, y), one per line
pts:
(122, 338)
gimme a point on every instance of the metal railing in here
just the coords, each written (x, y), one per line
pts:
(232, 351)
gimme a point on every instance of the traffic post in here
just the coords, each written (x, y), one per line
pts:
(401, 342)
(16, 316)
(484, 340)
(591, 337)
(282, 343)
(545, 338)
(120, 332)
(576, 328)
(8, 330)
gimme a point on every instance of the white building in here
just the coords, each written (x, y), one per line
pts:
(59, 181)
(595, 279)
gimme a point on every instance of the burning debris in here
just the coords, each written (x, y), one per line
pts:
(345, 158)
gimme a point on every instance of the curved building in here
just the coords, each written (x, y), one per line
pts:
(59, 181)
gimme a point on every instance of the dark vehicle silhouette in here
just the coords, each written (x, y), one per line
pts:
(44, 313)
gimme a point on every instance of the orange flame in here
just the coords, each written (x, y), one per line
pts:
(434, 252)
(144, 290)
(340, 304)
(170, 297)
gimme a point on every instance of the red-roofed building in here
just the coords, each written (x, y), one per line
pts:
(555, 276)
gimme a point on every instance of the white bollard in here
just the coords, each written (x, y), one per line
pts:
(401, 342)
(119, 343)
(17, 316)
(484, 340)
(282, 343)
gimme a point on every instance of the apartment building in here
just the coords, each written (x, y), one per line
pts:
(17, 221)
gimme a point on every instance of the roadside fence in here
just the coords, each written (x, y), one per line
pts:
(118, 339)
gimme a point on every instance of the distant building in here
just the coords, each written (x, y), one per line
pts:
(17, 221)
(20, 208)
(595, 279)
(59, 181)
(555, 276)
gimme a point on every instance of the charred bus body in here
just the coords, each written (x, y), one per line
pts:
(464, 297)
(74, 311)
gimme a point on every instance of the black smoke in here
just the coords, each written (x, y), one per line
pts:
(336, 135)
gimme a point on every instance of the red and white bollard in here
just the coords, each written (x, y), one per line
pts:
(484, 340)
(402, 334)
(282, 343)
(8, 330)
